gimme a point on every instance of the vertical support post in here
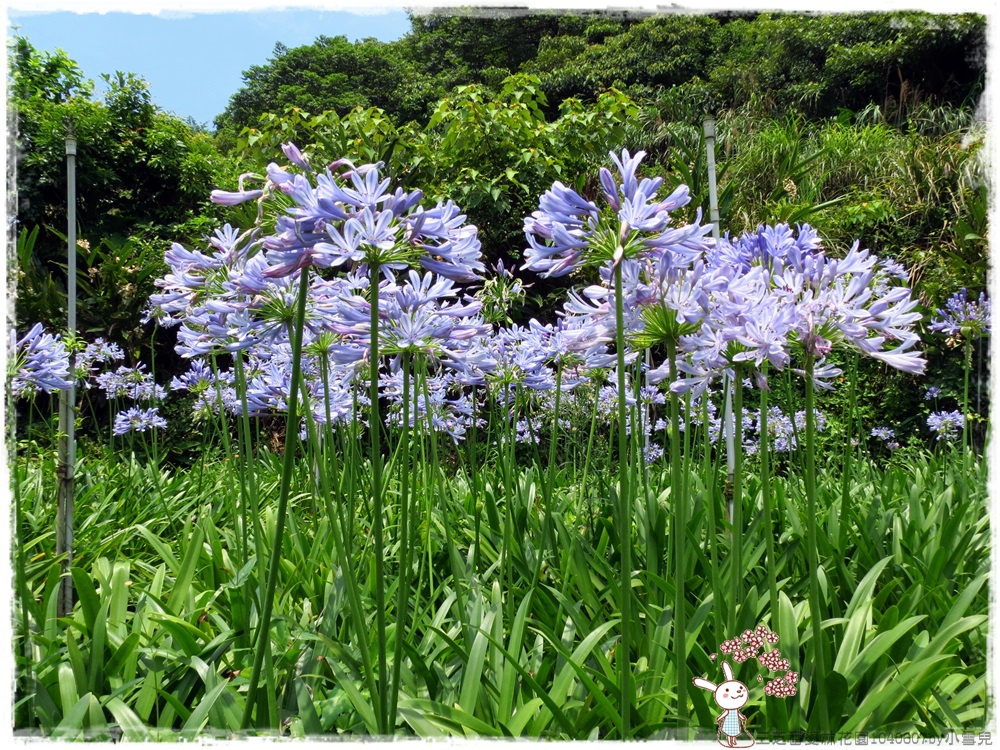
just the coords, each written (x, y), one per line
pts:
(67, 399)
(713, 192)
(713, 204)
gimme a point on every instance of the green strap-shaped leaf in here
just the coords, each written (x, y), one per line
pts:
(68, 694)
(448, 718)
(307, 712)
(73, 720)
(473, 674)
(121, 655)
(877, 647)
(509, 680)
(83, 584)
(362, 706)
(185, 634)
(133, 728)
(199, 717)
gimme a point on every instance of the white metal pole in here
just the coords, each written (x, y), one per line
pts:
(713, 193)
(67, 398)
(728, 425)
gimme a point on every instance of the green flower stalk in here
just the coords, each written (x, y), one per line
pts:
(815, 601)
(263, 642)
(569, 232)
(624, 517)
(402, 602)
(375, 461)
(679, 504)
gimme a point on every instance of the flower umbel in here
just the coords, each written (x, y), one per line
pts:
(40, 362)
(568, 231)
(946, 424)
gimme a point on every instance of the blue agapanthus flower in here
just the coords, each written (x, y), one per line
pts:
(883, 433)
(346, 214)
(40, 362)
(568, 231)
(138, 420)
(962, 316)
(947, 424)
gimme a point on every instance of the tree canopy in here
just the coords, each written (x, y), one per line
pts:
(770, 62)
(143, 176)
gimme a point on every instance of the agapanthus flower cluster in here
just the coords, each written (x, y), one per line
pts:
(330, 397)
(568, 231)
(416, 316)
(963, 317)
(138, 420)
(947, 424)
(132, 383)
(500, 294)
(40, 363)
(932, 393)
(784, 430)
(241, 295)
(522, 365)
(885, 434)
(98, 351)
(814, 302)
(244, 293)
(652, 453)
(346, 214)
(213, 390)
(442, 407)
(756, 301)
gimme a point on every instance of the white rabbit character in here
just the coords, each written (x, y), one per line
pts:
(731, 696)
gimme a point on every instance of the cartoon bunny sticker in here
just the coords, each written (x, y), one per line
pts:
(731, 696)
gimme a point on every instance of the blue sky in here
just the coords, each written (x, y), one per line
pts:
(193, 61)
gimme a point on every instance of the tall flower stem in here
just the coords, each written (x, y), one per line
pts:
(334, 511)
(815, 608)
(291, 434)
(966, 447)
(678, 501)
(375, 458)
(711, 498)
(586, 467)
(404, 538)
(458, 566)
(845, 488)
(736, 561)
(247, 463)
(765, 492)
(625, 518)
(551, 468)
(506, 449)
(239, 519)
(471, 448)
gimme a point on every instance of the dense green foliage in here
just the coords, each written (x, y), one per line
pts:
(158, 645)
(778, 63)
(143, 178)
